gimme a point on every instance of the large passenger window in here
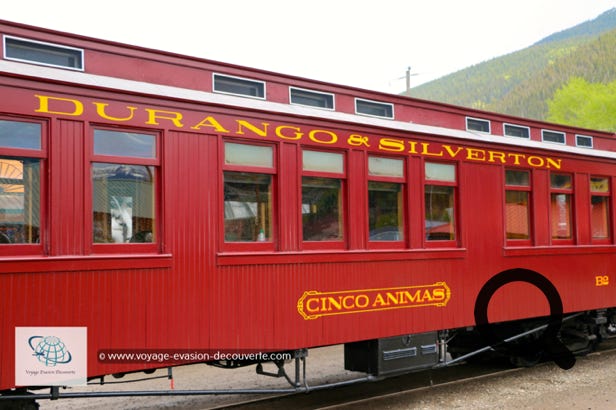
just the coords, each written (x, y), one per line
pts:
(322, 198)
(600, 208)
(20, 183)
(385, 199)
(517, 205)
(20, 200)
(248, 192)
(124, 177)
(440, 201)
(561, 203)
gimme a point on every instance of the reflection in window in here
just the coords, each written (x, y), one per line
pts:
(239, 86)
(321, 209)
(440, 172)
(322, 161)
(553, 136)
(125, 144)
(123, 203)
(311, 98)
(19, 200)
(249, 155)
(517, 178)
(439, 201)
(518, 131)
(561, 216)
(374, 108)
(476, 124)
(517, 215)
(561, 206)
(43, 53)
(248, 207)
(17, 134)
(385, 167)
(600, 207)
(560, 181)
(517, 206)
(385, 211)
(385, 198)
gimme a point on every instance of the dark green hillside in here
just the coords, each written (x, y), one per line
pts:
(594, 61)
(520, 83)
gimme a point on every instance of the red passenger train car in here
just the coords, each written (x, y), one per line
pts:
(162, 203)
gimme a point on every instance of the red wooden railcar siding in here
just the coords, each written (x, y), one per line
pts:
(196, 292)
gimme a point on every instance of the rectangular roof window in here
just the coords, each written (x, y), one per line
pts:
(37, 52)
(475, 124)
(583, 141)
(374, 108)
(311, 98)
(239, 86)
(517, 131)
(553, 136)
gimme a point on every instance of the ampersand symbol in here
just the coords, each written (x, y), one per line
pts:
(357, 140)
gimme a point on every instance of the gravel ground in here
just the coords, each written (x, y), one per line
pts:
(324, 365)
(588, 385)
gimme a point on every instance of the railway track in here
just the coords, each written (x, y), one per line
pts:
(415, 389)
(324, 367)
(366, 392)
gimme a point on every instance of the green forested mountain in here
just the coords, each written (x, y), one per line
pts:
(524, 82)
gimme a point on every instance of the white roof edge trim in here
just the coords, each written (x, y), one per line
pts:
(81, 78)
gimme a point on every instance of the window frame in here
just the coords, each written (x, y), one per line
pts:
(610, 213)
(579, 137)
(572, 212)
(516, 126)
(375, 104)
(560, 133)
(400, 180)
(315, 93)
(444, 243)
(92, 158)
(271, 244)
(342, 177)
(519, 188)
(39, 248)
(257, 83)
(470, 120)
(78, 52)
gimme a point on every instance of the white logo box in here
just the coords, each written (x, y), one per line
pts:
(51, 356)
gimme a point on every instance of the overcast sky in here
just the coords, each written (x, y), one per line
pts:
(367, 44)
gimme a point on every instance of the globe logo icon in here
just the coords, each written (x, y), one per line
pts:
(49, 350)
